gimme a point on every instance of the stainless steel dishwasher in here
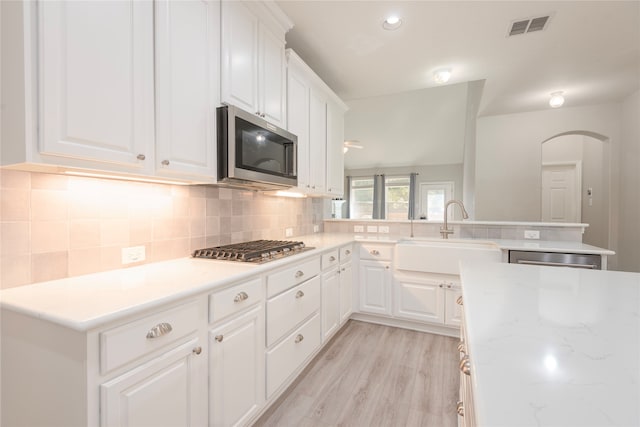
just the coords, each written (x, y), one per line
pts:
(556, 259)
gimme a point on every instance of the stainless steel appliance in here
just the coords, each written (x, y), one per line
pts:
(253, 153)
(256, 251)
(556, 259)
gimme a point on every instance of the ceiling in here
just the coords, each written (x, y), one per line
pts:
(589, 49)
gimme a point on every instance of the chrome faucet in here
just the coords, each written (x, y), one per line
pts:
(444, 230)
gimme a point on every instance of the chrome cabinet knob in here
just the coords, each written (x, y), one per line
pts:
(332, 258)
(441, 285)
(242, 296)
(449, 285)
(159, 330)
(299, 294)
(299, 338)
(141, 157)
(462, 348)
(263, 115)
(347, 252)
(197, 350)
(299, 274)
(219, 338)
(374, 252)
(386, 267)
(459, 300)
(165, 162)
(460, 408)
(465, 365)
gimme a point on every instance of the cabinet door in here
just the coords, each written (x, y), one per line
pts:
(96, 81)
(452, 310)
(167, 391)
(236, 369)
(375, 287)
(346, 291)
(187, 76)
(317, 141)
(239, 58)
(335, 152)
(419, 299)
(330, 302)
(272, 77)
(298, 121)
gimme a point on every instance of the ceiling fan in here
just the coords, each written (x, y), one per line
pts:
(352, 144)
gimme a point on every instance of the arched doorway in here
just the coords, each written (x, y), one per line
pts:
(575, 181)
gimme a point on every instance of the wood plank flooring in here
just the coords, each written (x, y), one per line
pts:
(373, 375)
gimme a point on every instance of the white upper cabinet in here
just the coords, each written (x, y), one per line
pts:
(298, 114)
(253, 65)
(96, 81)
(317, 141)
(335, 152)
(187, 74)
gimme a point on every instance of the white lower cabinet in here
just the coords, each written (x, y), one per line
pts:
(452, 310)
(330, 302)
(375, 287)
(167, 391)
(288, 355)
(419, 299)
(346, 291)
(236, 369)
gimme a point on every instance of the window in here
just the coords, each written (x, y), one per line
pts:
(361, 198)
(396, 197)
(433, 196)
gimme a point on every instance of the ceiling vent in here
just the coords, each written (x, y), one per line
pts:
(528, 25)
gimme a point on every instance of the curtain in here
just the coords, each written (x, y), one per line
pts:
(383, 196)
(412, 195)
(348, 197)
(376, 197)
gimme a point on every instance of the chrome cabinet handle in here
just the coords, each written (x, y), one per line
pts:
(242, 296)
(347, 252)
(197, 350)
(165, 162)
(141, 157)
(459, 300)
(460, 408)
(257, 113)
(299, 294)
(465, 365)
(299, 338)
(332, 258)
(219, 338)
(299, 274)
(375, 252)
(159, 330)
(263, 115)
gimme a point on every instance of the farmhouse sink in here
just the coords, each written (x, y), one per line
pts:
(443, 256)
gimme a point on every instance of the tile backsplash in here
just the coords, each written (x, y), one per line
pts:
(56, 226)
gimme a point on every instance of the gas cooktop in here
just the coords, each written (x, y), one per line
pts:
(256, 251)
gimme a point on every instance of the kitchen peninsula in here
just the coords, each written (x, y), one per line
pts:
(552, 347)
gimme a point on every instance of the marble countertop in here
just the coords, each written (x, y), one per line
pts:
(88, 301)
(553, 346)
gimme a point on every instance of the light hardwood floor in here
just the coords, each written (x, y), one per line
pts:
(373, 375)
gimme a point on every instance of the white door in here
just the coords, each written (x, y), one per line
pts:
(561, 198)
(187, 76)
(239, 66)
(168, 391)
(96, 81)
(375, 287)
(236, 366)
(433, 196)
(330, 302)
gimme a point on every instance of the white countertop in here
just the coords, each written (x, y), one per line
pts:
(553, 346)
(85, 302)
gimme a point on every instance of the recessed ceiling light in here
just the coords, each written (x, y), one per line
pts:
(557, 99)
(393, 22)
(442, 76)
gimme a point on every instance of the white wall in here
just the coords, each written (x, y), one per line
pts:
(629, 231)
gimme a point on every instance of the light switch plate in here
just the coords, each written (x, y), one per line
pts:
(372, 228)
(133, 254)
(531, 234)
(288, 232)
(316, 228)
(358, 228)
(383, 229)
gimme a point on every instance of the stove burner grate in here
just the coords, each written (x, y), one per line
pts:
(255, 251)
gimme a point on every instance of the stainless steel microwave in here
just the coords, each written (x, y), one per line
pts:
(253, 153)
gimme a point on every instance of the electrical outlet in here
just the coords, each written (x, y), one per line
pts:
(133, 254)
(358, 228)
(316, 228)
(531, 234)
(372, 228)
(288, 232)
(383, 229)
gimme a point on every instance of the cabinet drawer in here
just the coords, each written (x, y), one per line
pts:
(287, 356)
(330, 259)
(234, 299)
(345, 253)
(128, 342)
(370, 251)
(285, 279)
(286, 310)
